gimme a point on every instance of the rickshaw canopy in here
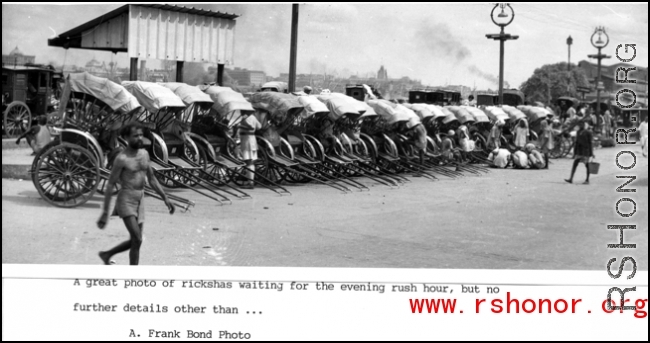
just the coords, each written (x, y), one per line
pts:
(422, 110)
(449, 116)
(477, 113)
(496, 113)
(312, 106)
(514, 114)
(112, 94)
(383, 108)
(189, 94)
(436, 111)
(226, 101)
(534, 113)
(403, 114)
(153, 97)
(369, 110)
(338, 106)
(358, 105)
(278, 105)
(461, 114)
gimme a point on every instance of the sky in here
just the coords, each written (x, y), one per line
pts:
(437, 43)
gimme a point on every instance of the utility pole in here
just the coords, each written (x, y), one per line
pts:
(294, 48)
(599, 44)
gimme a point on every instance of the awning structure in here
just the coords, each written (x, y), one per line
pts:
(164, 32)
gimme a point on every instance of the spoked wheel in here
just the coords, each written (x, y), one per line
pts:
(391, 149)
(66, 175)
(308, 150)
(17, 119)
(557, 148)
(169, 179)
(193, 153)
(219, 173)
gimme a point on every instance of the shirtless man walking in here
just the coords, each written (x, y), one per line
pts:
(130, 170)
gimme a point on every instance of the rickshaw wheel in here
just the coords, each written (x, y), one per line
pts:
(17, 119)
(557, 148)
(219, 173)
(66, 175)
(193, 154)
(566, 146)
(308, 150)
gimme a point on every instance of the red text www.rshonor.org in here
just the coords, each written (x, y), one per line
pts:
(513, 305)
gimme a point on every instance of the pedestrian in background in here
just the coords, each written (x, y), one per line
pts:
(521, 134)
(547, 143)
(583, 150)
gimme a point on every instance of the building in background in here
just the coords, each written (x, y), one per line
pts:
(245, 77)
(608, 77)
(17, 57)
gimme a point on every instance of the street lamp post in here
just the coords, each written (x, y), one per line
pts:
(569, 41)
(502, 37)
(599, 44)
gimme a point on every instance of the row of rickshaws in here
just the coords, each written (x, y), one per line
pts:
(190, 133)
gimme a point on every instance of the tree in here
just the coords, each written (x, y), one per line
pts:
(552, 81)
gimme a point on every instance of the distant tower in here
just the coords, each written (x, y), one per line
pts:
(382, 74)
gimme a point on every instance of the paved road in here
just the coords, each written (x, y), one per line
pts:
(508, 219)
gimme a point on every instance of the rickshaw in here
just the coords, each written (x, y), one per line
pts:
(174, 155)
(214, 134)
(199, 107)
(376, 131)
(349, 152)
(480, 129)
(70, 169)
(277, 112)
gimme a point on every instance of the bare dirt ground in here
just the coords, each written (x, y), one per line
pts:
(508, 219)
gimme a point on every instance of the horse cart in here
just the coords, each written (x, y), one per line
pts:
(27, 91)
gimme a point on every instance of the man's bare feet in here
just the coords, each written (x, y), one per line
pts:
(105, 258)
(569, 181)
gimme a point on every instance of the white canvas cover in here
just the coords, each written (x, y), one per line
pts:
(403, 114)
(496, 113)
(112, 94)
(312, 105)
(189, 94)
(513, 112)
(226, 100)
(383, 108)
(422, 110)
(338, 106)
(479, 116)
(153, 96)
(436, 111)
